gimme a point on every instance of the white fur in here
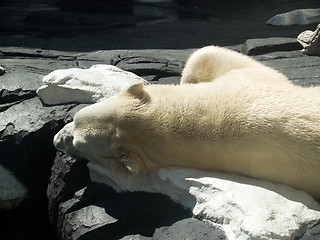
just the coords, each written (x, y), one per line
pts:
(240, 117)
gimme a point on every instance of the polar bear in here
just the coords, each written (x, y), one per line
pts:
(230, 114)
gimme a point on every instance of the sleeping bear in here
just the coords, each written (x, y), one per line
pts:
(230, 114)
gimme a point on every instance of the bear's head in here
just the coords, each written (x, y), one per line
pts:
(101, 132)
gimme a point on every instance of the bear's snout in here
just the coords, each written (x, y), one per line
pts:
(63, 140)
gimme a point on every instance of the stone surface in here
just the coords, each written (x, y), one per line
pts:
(301, 70)
(26, 132)
(158, 67)
(192, 229)
(12, 192)
(85, 210)
(299, 16)
(262, 46)
(310, 41)
(26, 151)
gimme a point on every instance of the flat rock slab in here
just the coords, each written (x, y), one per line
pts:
(254, 47)
(190, 228)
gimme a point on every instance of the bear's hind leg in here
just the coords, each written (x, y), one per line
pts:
(209, 63)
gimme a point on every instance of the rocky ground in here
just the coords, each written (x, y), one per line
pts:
(152, 41)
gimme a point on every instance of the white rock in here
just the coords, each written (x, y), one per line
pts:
(310, 41)
(12, 192)
(243, 207)
(299, 16)
(85, 85)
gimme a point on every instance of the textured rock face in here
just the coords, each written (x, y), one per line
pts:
(26, 132)
(26, 151)
(310, 41)
(253, 47)
(81, 209)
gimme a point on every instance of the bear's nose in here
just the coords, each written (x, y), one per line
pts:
(62, 141)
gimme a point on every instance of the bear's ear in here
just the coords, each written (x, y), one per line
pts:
(136, 90)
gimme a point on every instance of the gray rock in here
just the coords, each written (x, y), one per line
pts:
(303, 70)
(312, 232)
(168, 80)
(148, 64)
(83, 210)
(26, 132)
(26, 150)
(67, 177)
(267, 45)
(16, 87)
(192, 229)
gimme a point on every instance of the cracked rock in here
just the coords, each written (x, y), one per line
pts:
(145, 65)
(80, 209)
(26, 150)
(254, 47)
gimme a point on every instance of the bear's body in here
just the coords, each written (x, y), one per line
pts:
(249, 119)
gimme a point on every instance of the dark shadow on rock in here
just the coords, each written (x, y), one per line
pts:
(68, 176)
(136, 213)
(29, 221)
(74, 201)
